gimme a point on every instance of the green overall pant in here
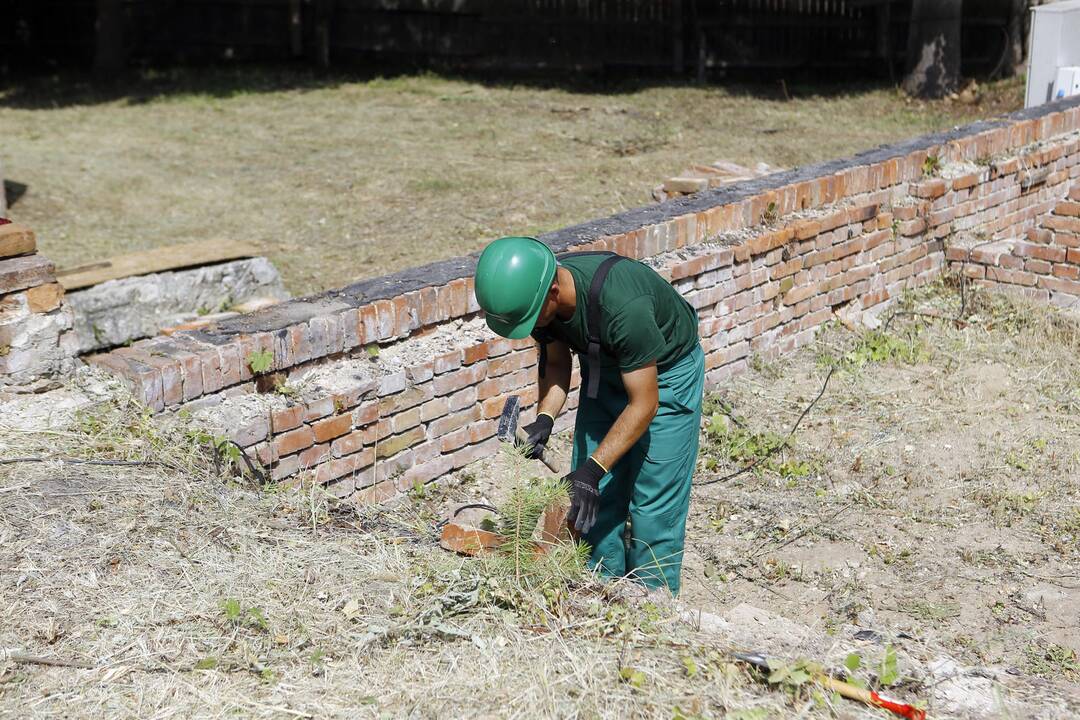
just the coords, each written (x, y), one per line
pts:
(651, 483)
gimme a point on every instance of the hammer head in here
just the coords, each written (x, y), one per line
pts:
(508, 420)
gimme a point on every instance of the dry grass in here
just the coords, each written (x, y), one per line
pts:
(932, 491)
(938, 509)
(343, 179)
(191, 595)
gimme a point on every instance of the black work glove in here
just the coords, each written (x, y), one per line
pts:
(584, 495)
(538, 433)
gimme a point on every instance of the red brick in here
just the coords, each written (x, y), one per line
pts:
(459, 300)
(1069, 272)
(386, 318)
(365, 414)
(1040, 267)
(1062, 223)
(397, 443)
(457, 420)
(909, 228)
(1073, 255)
(406, 420)
(19, 273)
(318, 409)
(293, 441)
(448, 361)
(429, 307)
(453, 440)
(341, 467)
(1040, 236)
(1067, 207)
(330, 428)
(482, 430)
(451, 382)
(476, 353)
(353, 442)
(408, 398)
(965, 181)
(287, 418)
(1050, 253)
(314, 455)
(368, 323)
(1060, 285)
(806, 229)
(463, 399)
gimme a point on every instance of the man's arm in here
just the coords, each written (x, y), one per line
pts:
(634, 420)
(555, 384)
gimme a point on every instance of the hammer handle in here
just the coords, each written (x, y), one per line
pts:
(524, 440)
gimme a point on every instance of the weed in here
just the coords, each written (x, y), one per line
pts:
(877, 346)
(259, 361)
(770, 214)
(1053, 661)
(931, 166)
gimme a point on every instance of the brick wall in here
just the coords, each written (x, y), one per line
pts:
(765, 264)
(35, 338)
(1042, 263)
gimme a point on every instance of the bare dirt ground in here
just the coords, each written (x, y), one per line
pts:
(340, 179)
(926, 507)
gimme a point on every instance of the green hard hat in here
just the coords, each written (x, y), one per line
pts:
(512, 279)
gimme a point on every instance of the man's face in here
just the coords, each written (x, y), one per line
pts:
(551, 304)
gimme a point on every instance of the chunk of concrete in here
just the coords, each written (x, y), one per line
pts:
(119, 311)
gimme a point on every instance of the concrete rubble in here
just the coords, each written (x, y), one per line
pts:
(119, 311)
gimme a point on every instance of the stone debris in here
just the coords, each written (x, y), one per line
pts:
(702, 177)
(35, 323)
(119, 311)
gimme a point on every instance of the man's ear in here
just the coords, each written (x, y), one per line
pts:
(553, 291)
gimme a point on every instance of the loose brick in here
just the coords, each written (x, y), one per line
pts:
(392, 383)
(434, 408)
(330, 428)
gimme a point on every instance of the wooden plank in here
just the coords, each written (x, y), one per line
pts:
(15, 240)
(171, 257)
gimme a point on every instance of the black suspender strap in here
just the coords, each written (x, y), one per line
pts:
(592, 321)
(592, 324)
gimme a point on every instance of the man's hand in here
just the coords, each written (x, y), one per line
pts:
(584, 495)
(537, 433)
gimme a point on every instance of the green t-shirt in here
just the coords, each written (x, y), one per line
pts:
(642, 318)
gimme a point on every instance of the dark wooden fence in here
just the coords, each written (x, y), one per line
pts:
(748, 38)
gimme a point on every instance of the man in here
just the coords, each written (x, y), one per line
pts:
(642, 375)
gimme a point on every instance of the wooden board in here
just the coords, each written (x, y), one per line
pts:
(16, 240)
(170, 257)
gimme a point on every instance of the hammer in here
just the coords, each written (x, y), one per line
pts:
(510, 432)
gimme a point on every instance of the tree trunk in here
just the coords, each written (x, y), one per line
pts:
(933, 56)
(109, 53)
(1018, 30)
